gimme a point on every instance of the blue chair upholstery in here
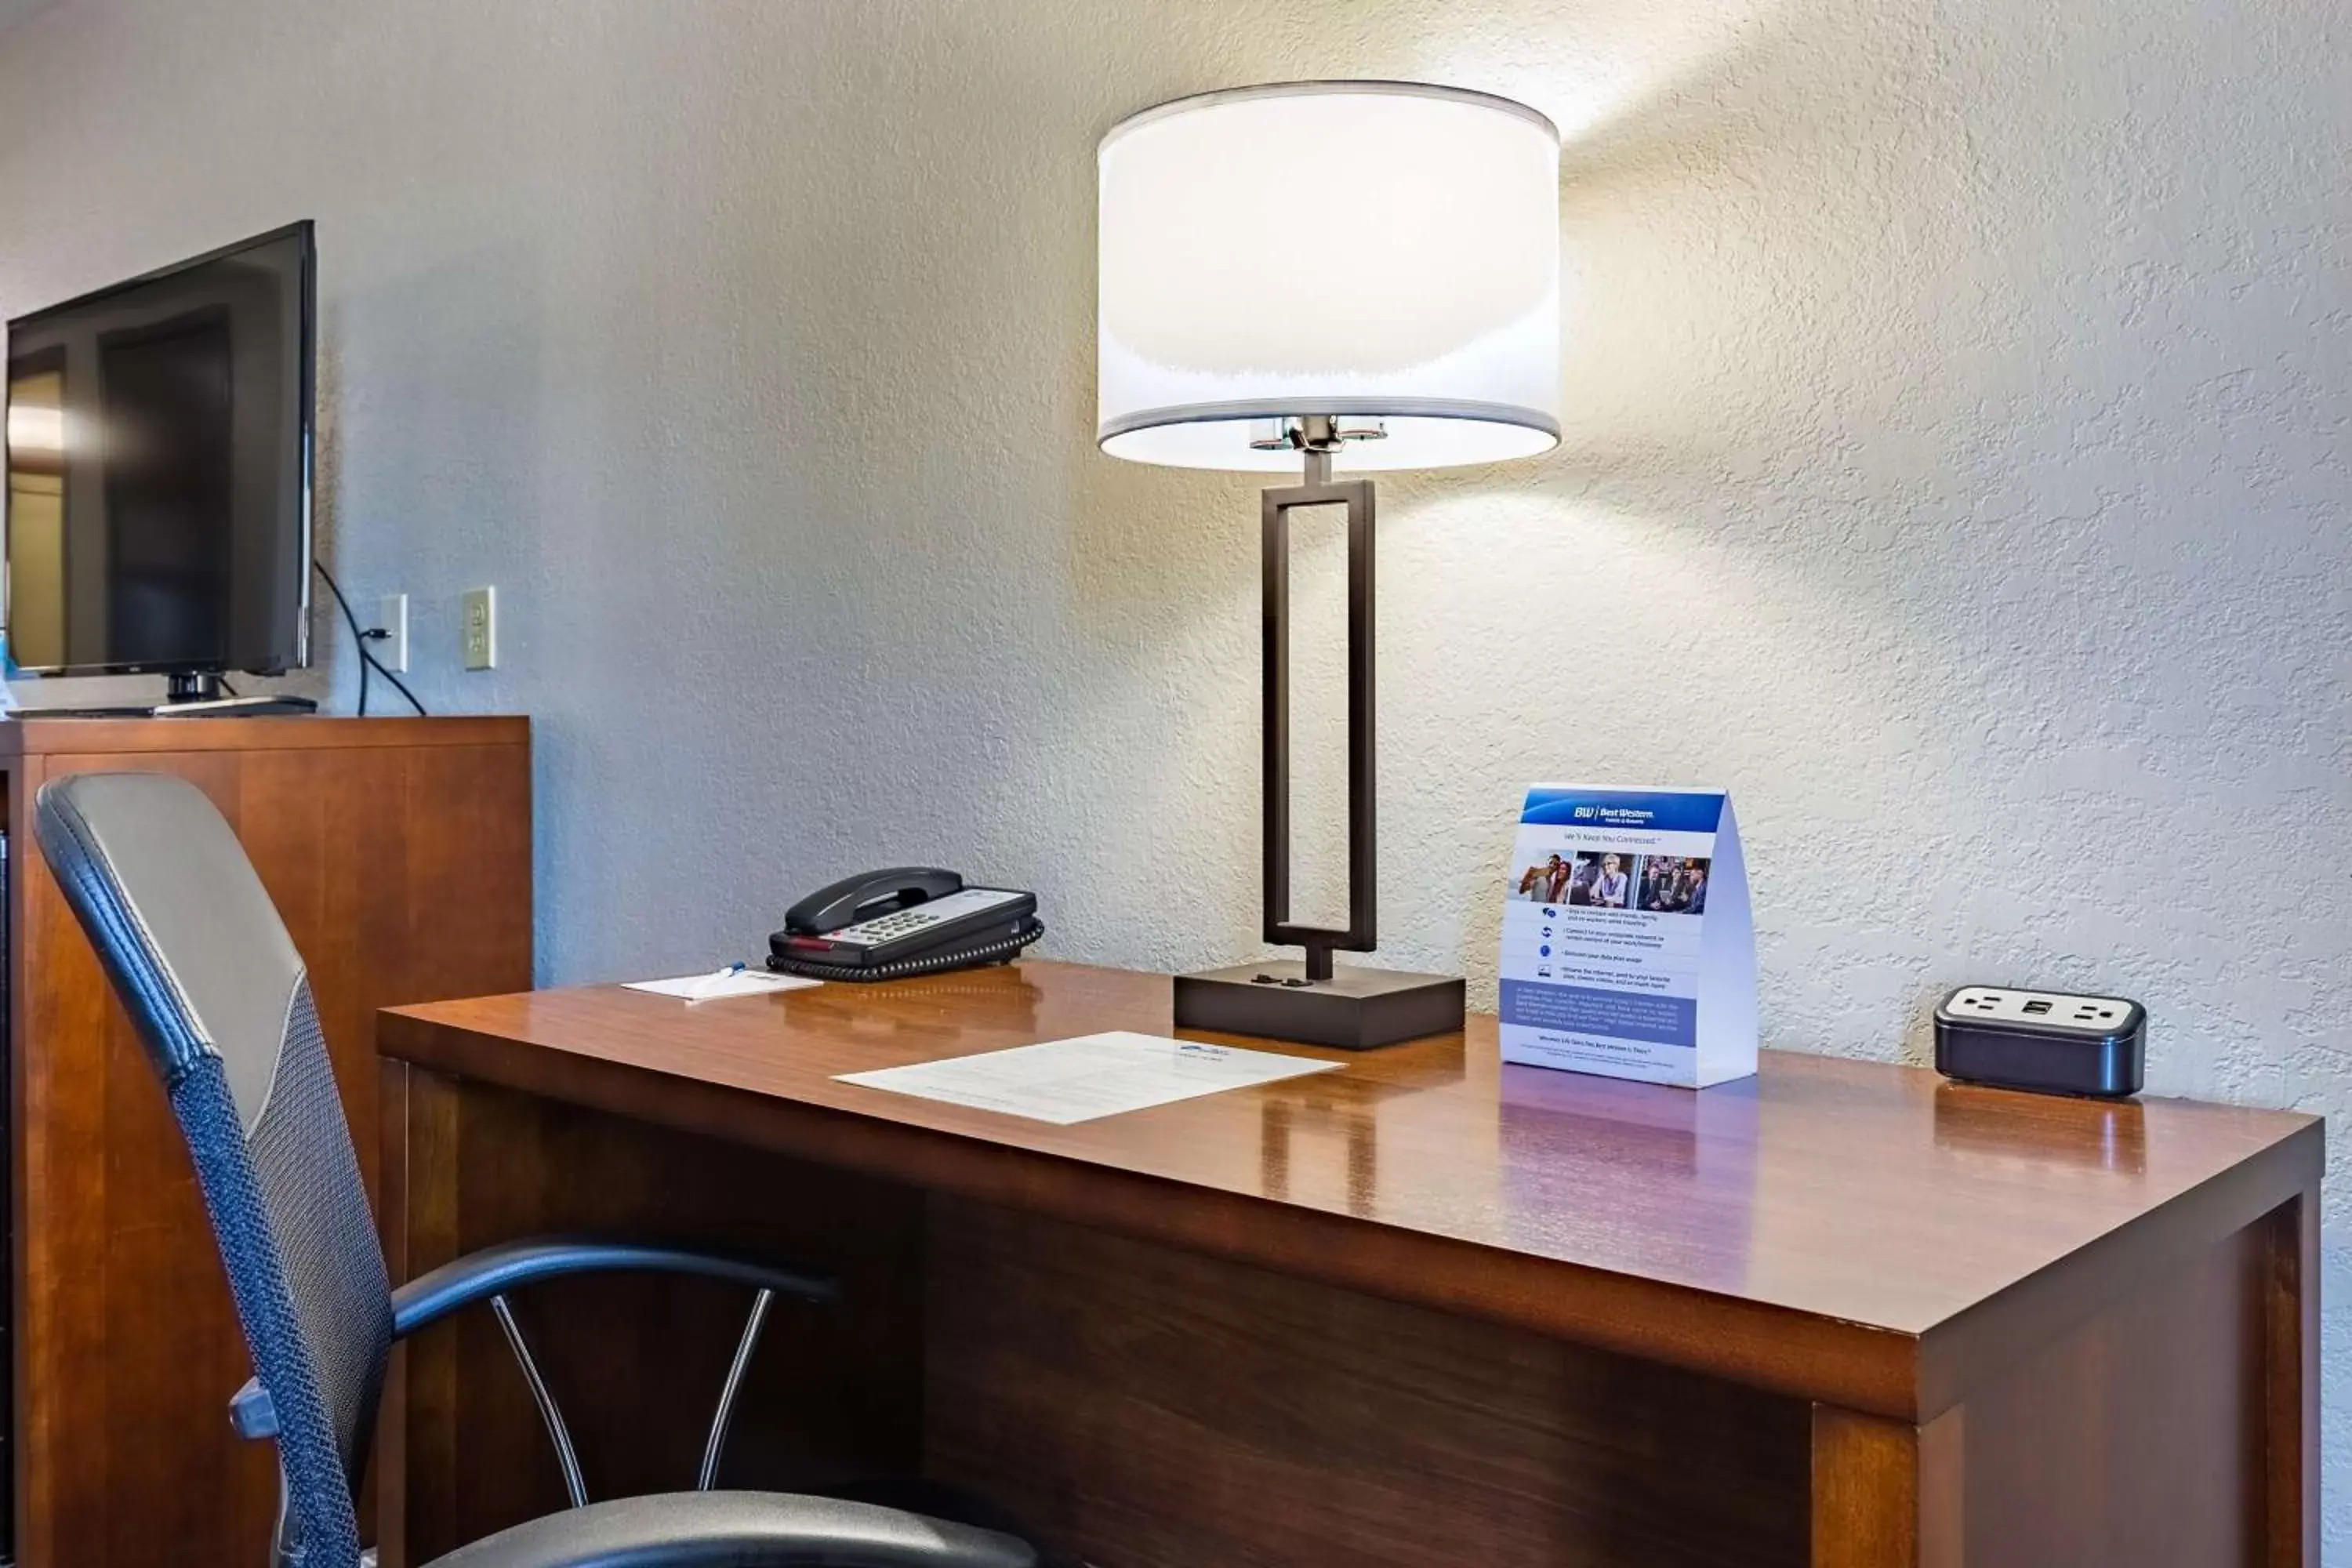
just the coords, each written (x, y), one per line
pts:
(222, 1003)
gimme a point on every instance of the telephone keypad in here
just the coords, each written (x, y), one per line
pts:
(888, 928)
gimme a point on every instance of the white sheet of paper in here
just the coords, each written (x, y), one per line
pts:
(714, 988)
(1065, 1081)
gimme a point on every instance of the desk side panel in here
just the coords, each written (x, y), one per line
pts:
(2140, 1439)
(2137, 1440)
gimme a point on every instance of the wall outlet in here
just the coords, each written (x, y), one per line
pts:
(392, 649)
(479, 628)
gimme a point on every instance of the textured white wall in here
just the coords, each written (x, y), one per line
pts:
(1955, 467)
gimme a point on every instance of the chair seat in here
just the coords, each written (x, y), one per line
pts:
(740, 1530)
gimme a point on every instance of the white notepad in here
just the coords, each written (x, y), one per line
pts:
(1067, 1081)
(718, 988)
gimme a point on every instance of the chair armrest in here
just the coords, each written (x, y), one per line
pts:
(495, 1270)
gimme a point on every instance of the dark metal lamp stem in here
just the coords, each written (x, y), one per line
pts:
(1316, 1002)
(1362, 931)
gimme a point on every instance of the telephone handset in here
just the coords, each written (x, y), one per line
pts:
(876, 893)
(913, 919)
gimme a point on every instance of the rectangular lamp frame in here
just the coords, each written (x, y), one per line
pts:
(1361, 933)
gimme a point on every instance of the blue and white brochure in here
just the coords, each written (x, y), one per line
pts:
(1627, 946)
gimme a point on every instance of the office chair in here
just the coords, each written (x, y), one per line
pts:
(223, 1006)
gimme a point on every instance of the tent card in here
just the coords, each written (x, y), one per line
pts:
(1627, 948)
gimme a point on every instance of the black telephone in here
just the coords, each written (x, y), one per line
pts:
(914, 920)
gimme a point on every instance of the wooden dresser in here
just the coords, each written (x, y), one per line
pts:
(398, 851)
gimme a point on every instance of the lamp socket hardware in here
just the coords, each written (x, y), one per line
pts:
(479, 628)
(392, 620)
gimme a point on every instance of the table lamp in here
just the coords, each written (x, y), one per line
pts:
(1358, 275)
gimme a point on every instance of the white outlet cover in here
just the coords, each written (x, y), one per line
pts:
(392, 615)
(478, 629)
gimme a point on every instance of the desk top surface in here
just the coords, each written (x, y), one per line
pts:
(1879, 1203)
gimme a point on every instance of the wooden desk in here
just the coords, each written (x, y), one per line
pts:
(1427, 1309)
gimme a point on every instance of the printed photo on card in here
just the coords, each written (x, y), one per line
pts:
(1627, 946)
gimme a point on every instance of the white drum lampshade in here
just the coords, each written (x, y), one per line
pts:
(1384, 253)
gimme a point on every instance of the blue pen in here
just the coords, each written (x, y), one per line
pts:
(702, 986)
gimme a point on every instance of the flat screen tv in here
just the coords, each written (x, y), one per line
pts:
(159, 438)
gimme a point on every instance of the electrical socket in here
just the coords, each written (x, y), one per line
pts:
(479, 628)
(392, 615)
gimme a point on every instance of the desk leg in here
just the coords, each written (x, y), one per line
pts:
(2291, 1383)
(416, 1453)
(1886, 1494)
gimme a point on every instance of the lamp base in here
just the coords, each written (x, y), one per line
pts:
(1356, 1009)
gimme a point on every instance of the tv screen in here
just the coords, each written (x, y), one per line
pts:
(159, 469)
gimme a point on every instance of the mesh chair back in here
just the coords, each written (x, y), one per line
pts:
(204, 965)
